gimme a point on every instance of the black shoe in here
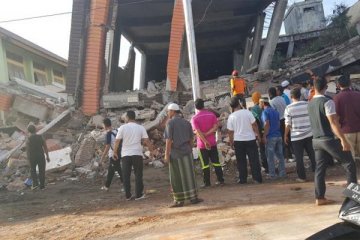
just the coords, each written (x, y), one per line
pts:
(196, 201)
(177, 204)
(241, 182)
(220, 184)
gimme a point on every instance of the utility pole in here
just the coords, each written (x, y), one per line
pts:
(190, 34)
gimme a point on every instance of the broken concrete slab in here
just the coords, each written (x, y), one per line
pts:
(86, 151)
(146, 114)
(96, 121)
(32, 109)
(59, 159)
(16, 185)
(123, 100)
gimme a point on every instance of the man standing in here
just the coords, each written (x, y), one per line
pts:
(297, 122)
(286, 86)
(238, 87)
(131, 135)
(205, 125)
(36, 150)
(272, 138)
(325, 124)
(178, 153)
(280, 92)
(348, 110)
(257, 111)
(114, 164)
(278, 103)
(243, 131)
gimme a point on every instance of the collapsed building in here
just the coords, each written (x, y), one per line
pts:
(228, 36)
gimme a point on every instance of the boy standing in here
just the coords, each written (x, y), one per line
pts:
(114, 164)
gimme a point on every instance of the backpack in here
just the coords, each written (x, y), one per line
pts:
(113, 135)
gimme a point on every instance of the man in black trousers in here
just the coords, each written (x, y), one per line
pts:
(36, 150)
(325, 125)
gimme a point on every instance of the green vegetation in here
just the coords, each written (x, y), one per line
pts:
(336, 32)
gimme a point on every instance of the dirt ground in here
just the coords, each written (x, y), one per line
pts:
(279, 210)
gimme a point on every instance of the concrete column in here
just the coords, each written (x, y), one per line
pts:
(143, 70)
(4, 75)
(184, 59)
(256, 46)
(190, 33)
(290, 50)
(29, 69)
(247, 53)
(50, 75)
(273, 34)
(238, 60)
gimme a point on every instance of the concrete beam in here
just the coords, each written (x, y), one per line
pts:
(4, 75)
(238, 60)
(256, 46)
(273, 34)
(247, 53)
(143, 71)
(290, 50)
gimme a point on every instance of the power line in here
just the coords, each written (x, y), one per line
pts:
(204, 15)
(65, 13)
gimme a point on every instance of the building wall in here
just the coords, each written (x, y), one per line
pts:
(304, 17)
(34, 67)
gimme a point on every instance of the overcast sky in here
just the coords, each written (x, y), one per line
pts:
(52, 33)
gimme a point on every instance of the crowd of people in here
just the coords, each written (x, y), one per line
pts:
(288, 122)
(285, 124)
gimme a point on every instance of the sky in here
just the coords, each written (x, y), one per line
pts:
(53, 33)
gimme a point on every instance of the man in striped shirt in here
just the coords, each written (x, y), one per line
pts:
(297, 122)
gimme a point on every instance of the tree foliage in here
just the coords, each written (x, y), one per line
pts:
(336, 32)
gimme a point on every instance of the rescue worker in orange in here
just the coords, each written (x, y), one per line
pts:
(238, 87)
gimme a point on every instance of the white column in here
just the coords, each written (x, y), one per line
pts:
(190, 34)
(142, 70)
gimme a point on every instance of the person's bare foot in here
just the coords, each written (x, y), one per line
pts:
(323, 201)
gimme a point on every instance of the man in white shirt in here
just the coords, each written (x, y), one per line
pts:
(297, 123)
(131, 135)
(243, 131)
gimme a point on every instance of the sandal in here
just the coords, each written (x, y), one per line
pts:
(177, 204)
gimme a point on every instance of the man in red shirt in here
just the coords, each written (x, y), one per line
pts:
(348, 110)
(205, 125)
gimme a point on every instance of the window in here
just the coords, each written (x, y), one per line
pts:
(59, 77)
(309, 9)
(40, 75)
(15, 65)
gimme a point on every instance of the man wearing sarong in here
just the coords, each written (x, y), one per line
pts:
(179, 140)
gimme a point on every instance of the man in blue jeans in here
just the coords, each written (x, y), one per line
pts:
(272, 138)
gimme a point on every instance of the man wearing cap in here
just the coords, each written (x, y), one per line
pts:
(131, 135)
(243, 132)
(205, 125)
(178, 153)
(325, 126)
(238, 87)
(257, 111)
(348, 110)
(286, 86)
(272, 138)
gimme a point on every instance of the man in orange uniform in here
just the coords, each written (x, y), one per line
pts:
(238, 87)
